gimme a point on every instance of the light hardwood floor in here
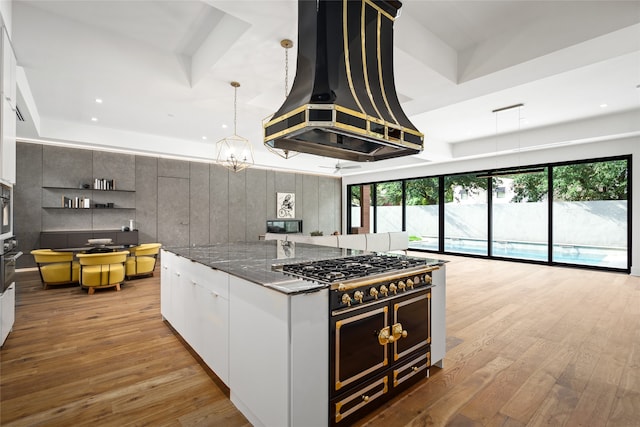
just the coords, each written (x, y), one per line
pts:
(527, 345)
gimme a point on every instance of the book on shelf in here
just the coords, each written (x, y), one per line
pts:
(104, 184)
(76, 202)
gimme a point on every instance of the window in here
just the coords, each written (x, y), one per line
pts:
(423, 216)
(389, 206)
(465, 214)
(561, 213)
(520, 216)
(361, 209)
(590, 212)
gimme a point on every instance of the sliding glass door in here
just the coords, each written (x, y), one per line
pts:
(389, 198)
(423, 213)
(520, 219)
(590, 211)
(577, 213)
(465, 214)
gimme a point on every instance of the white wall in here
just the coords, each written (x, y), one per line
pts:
(592, 150)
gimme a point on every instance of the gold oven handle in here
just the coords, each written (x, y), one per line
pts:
(397, 332)
(391, 334)
(374, 281)
(383, 336)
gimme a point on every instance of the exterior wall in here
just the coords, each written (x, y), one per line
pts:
(175, 201)
(571, 219)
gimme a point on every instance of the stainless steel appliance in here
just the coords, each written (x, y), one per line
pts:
(8, 258)
(380, 327)
(6, 222)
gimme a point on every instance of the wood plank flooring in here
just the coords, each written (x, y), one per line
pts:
(527, 346)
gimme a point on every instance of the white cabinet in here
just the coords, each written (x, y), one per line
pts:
(194, 299)
(209, 318)
(8, 110)
(278, 355)
(167, 260)
(8, 142)
(438, 317)
(7, 311)
(9, 90)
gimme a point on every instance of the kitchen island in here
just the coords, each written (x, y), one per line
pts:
(264, 334)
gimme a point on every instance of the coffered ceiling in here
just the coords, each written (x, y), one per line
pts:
(162, 70)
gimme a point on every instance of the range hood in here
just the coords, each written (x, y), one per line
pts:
(343, 103)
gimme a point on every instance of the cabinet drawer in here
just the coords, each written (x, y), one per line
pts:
(416, 369)
(359, 401)
(214, 281)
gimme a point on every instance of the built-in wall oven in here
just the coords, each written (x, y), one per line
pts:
(379, 331)
(8, 257)
(6, 223)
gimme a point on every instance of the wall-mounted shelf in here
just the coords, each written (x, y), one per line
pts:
(88, 189)
(85, 209)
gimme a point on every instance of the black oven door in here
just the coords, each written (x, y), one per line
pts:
(411, 326)
(357, 351)
(8, 268)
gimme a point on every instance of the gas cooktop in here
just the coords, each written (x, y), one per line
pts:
(344, 269)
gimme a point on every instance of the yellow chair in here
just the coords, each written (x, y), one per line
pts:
(142, 261)
(102, 270)
(56, 268)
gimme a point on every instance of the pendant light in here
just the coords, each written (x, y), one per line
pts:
(235, 152)
(497, 172)
(285, 154)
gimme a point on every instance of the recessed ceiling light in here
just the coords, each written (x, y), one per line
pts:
(604, 105)
(98, 100)
(224, 126)
(204, 137)
(94, 119)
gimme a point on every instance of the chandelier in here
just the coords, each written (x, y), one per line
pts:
(285, 154)
(235, 152)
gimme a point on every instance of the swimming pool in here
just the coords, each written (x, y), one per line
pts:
(570, 254)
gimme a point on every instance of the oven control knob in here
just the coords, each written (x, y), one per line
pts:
(427, 279)
(384, 291)
(393, 288)
(409, 283)
(402, 286)
(358, 296)
(416, 280)
(373, 292)
(346, 299)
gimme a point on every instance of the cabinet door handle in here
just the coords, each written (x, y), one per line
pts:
(193, 282)
(178, 273)
(215, 294)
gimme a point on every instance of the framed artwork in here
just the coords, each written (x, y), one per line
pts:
(286, 205)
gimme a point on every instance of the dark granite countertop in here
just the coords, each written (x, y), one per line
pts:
(253, 261)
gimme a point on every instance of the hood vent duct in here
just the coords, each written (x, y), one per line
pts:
(343, 103)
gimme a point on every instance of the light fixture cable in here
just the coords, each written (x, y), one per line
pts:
(284, 153)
